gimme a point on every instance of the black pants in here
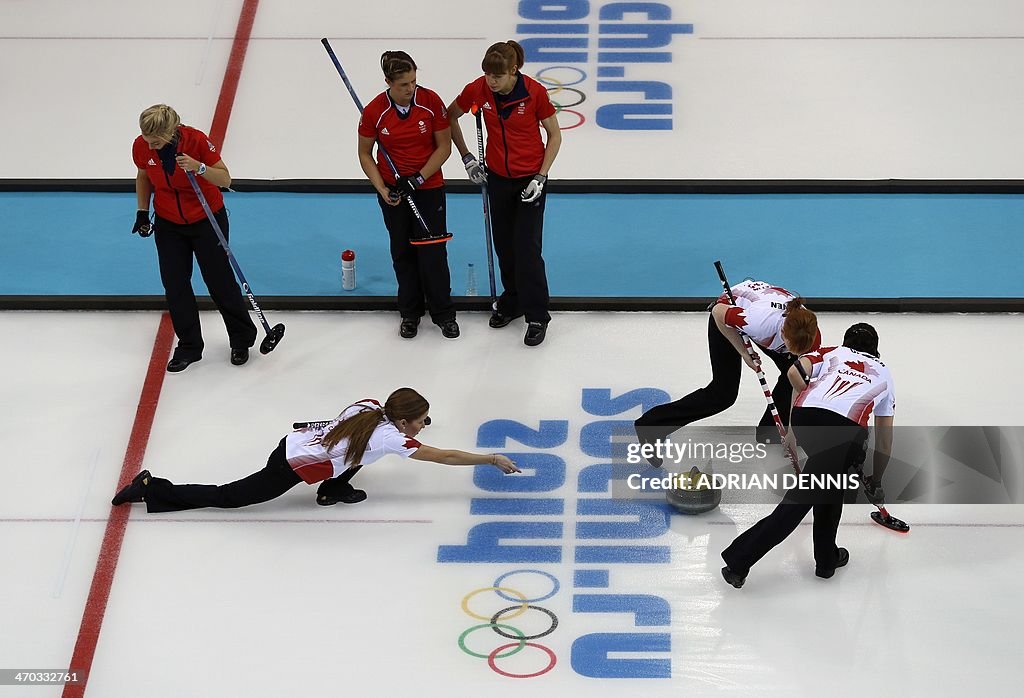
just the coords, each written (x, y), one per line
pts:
(718, 395)
(518, 235)
(831, 442)
(276, 478)
(337, 486)
(175, 245)
(421, 270)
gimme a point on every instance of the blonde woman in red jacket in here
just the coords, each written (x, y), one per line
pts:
(163, 153)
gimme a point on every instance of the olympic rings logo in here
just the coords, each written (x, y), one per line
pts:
(557, 86)
(496, 622)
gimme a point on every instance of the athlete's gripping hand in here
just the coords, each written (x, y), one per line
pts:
(407, 185)
(474, 169)
(752, 359)
(142, 225)
(534, 189)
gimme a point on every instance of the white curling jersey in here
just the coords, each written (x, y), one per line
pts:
(849, 383)
(314, 463)
(758, 313)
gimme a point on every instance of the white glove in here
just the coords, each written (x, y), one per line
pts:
(473, 169)
(534, 188)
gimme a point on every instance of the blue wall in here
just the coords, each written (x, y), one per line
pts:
(599, 245)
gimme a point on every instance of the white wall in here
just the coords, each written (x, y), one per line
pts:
(822, 89)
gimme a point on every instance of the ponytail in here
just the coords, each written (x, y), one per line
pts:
(357, 429)
(404, 403)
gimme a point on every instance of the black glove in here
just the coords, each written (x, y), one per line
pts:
(167, 154)
(142, 225)
(393, 195)
(407, 185)
(874, 492)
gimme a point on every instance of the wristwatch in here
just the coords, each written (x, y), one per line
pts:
(202, 169)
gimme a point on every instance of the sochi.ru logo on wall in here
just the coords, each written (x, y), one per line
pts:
(626, 40)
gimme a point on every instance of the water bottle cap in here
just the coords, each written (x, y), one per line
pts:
(348, 256)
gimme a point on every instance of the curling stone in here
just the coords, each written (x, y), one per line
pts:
(690, 497)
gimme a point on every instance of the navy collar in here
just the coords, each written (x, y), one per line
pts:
(506, 103)
(405, 114)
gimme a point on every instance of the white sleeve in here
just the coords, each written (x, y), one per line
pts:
(885, 405)
(399, 444)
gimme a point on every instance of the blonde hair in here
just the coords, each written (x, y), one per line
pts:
(800, 327)
(404, 403)
(503, 58)
(159, 121)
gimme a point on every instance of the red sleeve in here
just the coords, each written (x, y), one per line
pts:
(734, 317)
(368, 119)
(544, 106)
(208, 153)
(469, 96)
(138, 153)
(440, 113)
(198, 145)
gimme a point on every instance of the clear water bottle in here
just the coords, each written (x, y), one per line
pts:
(348, 270)
(471, 280)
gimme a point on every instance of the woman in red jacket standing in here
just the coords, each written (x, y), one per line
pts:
(410, 122)
(514, 107)
(165, 151)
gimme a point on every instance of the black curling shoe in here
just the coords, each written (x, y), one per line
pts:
(353, 496)
(733, 577)
(499, 320)
(450, 329)
(239, 356)
(842, 557)
(135, 491)
(535, 332)
(177, 365)
(409, 328)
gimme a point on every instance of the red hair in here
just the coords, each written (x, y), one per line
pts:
(800, 327)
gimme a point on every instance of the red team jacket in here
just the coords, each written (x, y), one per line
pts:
(173, 198)
(409, 139)
(514, 145)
